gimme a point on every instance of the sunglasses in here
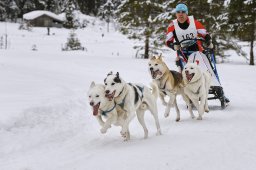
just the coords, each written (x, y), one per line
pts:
(183, 12)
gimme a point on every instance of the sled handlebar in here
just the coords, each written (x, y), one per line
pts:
(194, 40)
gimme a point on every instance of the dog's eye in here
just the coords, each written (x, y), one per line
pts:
(156, 64)
(112, 84)
(90, 96)
(149, 64)
(192, 68)
(106, 84)
(97, 96)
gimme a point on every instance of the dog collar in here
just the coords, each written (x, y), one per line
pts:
(104, 113)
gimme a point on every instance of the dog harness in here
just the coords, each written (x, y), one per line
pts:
(135, 87)
(104, 113)
(123, 101)
(141, 90)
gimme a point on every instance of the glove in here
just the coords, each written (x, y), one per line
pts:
(176, 47)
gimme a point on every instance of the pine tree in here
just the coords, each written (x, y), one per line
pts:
(2, 11)
(217, 26)
(138, 20)
(107, 12)
(69, 15)
(90, 7)
(24, 6)
(242, 21)
(73, 43)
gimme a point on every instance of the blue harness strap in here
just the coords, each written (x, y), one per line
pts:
(122, 103)
(104, 113)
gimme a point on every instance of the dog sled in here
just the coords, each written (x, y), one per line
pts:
(206, 61)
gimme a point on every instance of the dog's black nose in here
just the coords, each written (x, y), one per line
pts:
(151, 68)
(91, 103)
(186, 72)
(107, 91)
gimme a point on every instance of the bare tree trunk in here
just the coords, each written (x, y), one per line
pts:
(146, 53)
(253, 38)
(251, 54)
(48, 30)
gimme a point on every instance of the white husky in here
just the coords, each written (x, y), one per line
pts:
(132, 98)
(102, 107)
(197, 84)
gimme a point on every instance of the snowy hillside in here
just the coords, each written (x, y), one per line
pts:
(46, 122)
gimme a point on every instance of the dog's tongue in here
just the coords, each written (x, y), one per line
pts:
(96, 109)
(110, 96)
(189, 76)
(155, 73)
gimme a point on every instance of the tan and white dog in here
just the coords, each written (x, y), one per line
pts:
(169, 83)
(104, 109)
(197, 84)
(132, 98)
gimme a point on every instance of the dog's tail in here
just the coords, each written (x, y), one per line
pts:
(155, 90)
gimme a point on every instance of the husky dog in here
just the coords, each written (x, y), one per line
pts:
(132, 98)
(197, 84)
(102, 107)
(169, 83)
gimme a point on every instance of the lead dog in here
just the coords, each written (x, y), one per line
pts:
(132, 98)
(169, 82)
(197, 84)
(102, 107)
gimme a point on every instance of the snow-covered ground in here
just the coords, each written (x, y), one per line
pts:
(46, 122)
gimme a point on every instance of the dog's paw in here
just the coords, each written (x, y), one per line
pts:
(126, 136)
(177, 119)
(199, 118)
(158, 133)
(126, 139)
(124, 133)
(103, 130)
(164, 103)
(206, 110)
(166, 114)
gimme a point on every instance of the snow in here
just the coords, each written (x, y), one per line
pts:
(35, 14)
(46, 122)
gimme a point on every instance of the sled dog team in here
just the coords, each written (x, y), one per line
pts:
(117, 102)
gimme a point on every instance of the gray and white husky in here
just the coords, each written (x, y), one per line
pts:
(132, 98)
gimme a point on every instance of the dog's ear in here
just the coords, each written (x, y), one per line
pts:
(153, 58)
(110, 73)
(160, 57)
(117, 78)
(92, 84)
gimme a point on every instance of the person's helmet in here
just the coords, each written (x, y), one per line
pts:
(181, 7)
